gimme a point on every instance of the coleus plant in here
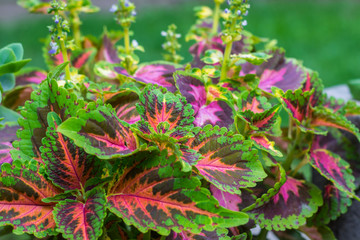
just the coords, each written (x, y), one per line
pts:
(107, 148)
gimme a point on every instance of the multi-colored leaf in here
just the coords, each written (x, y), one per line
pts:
(82, 220)
(48, 98)
(7, 136)
(155, 194)
(22, 189)
(289, 208)
(100, 132)
(276, 72)
(336, 202)
(32, 77)
(124, 104)
(5, 156)
(334, 168)
(67, 165)
(227, 161)
(263, 143)
(157, 73)
(218, 112)
(164, 114)
(218, 234)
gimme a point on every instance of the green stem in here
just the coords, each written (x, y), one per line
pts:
(127, 40)
(292, 151)
(163, 238)
(263, 234)
(147, 235)
(216, 19)
(76, 28)
(225, 65)
(300, 165)
(64, 54)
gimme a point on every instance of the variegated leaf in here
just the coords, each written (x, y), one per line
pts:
(100, 132)
(218, 234)
(155, 194)
(157, 73)
(227, 161)
(326, 117)
(301, 200)
(334, 168)
(49, 98)
(192, 88)
(164, 114)
(124, 104)
(22, 189)
(336, 203)
(67, 165)
(216, 113)
(286, 74)
(82, 220)
(262, 142)
(5, 156)
(32, 77)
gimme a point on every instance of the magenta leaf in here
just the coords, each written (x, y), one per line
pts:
(5, 156)
(32, 77)
(157, 73)
(216, 113)
(81, 220)
(277, 72)
(192, 88)
(334, 168)
(108, 51)
(289, 208)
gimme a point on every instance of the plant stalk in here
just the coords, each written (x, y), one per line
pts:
(216, 19)
(292, 152)
(300, 165)
(263, 234)
(64, 54)
(228, 48)
(76, 28)
(127, 40)
(147, 235)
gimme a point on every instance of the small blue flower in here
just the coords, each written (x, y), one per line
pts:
(238, 12)
(57, 20)
(127, 3)
(246, 13)
(163, 33)
(54, 48)
(226, 11)
(244, 23)
(113, 8)
(133, 13)
(228, 1)
(134, 43)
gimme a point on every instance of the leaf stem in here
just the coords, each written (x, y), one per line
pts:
(263, 234)
(300, 165)
(76, 27)
(228, 48)
(216, 18)
(64, 54)
(147, 235)
(127, 40)
(292, 151)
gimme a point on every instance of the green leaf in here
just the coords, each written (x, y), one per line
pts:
(13, 67)
(212, 56)
(8, 114)
(7, 82)
(155, 194)
(256, 58)
(106, 70)
(354, 86)
(17, 49)
(7, 55)
(78, 220)
(22, 189)
(100, 132)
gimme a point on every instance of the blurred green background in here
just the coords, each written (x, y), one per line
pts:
(324, 34)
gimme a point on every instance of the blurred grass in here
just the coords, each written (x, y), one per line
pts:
(324, 34)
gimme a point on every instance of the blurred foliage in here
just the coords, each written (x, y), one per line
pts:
(323, 33)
